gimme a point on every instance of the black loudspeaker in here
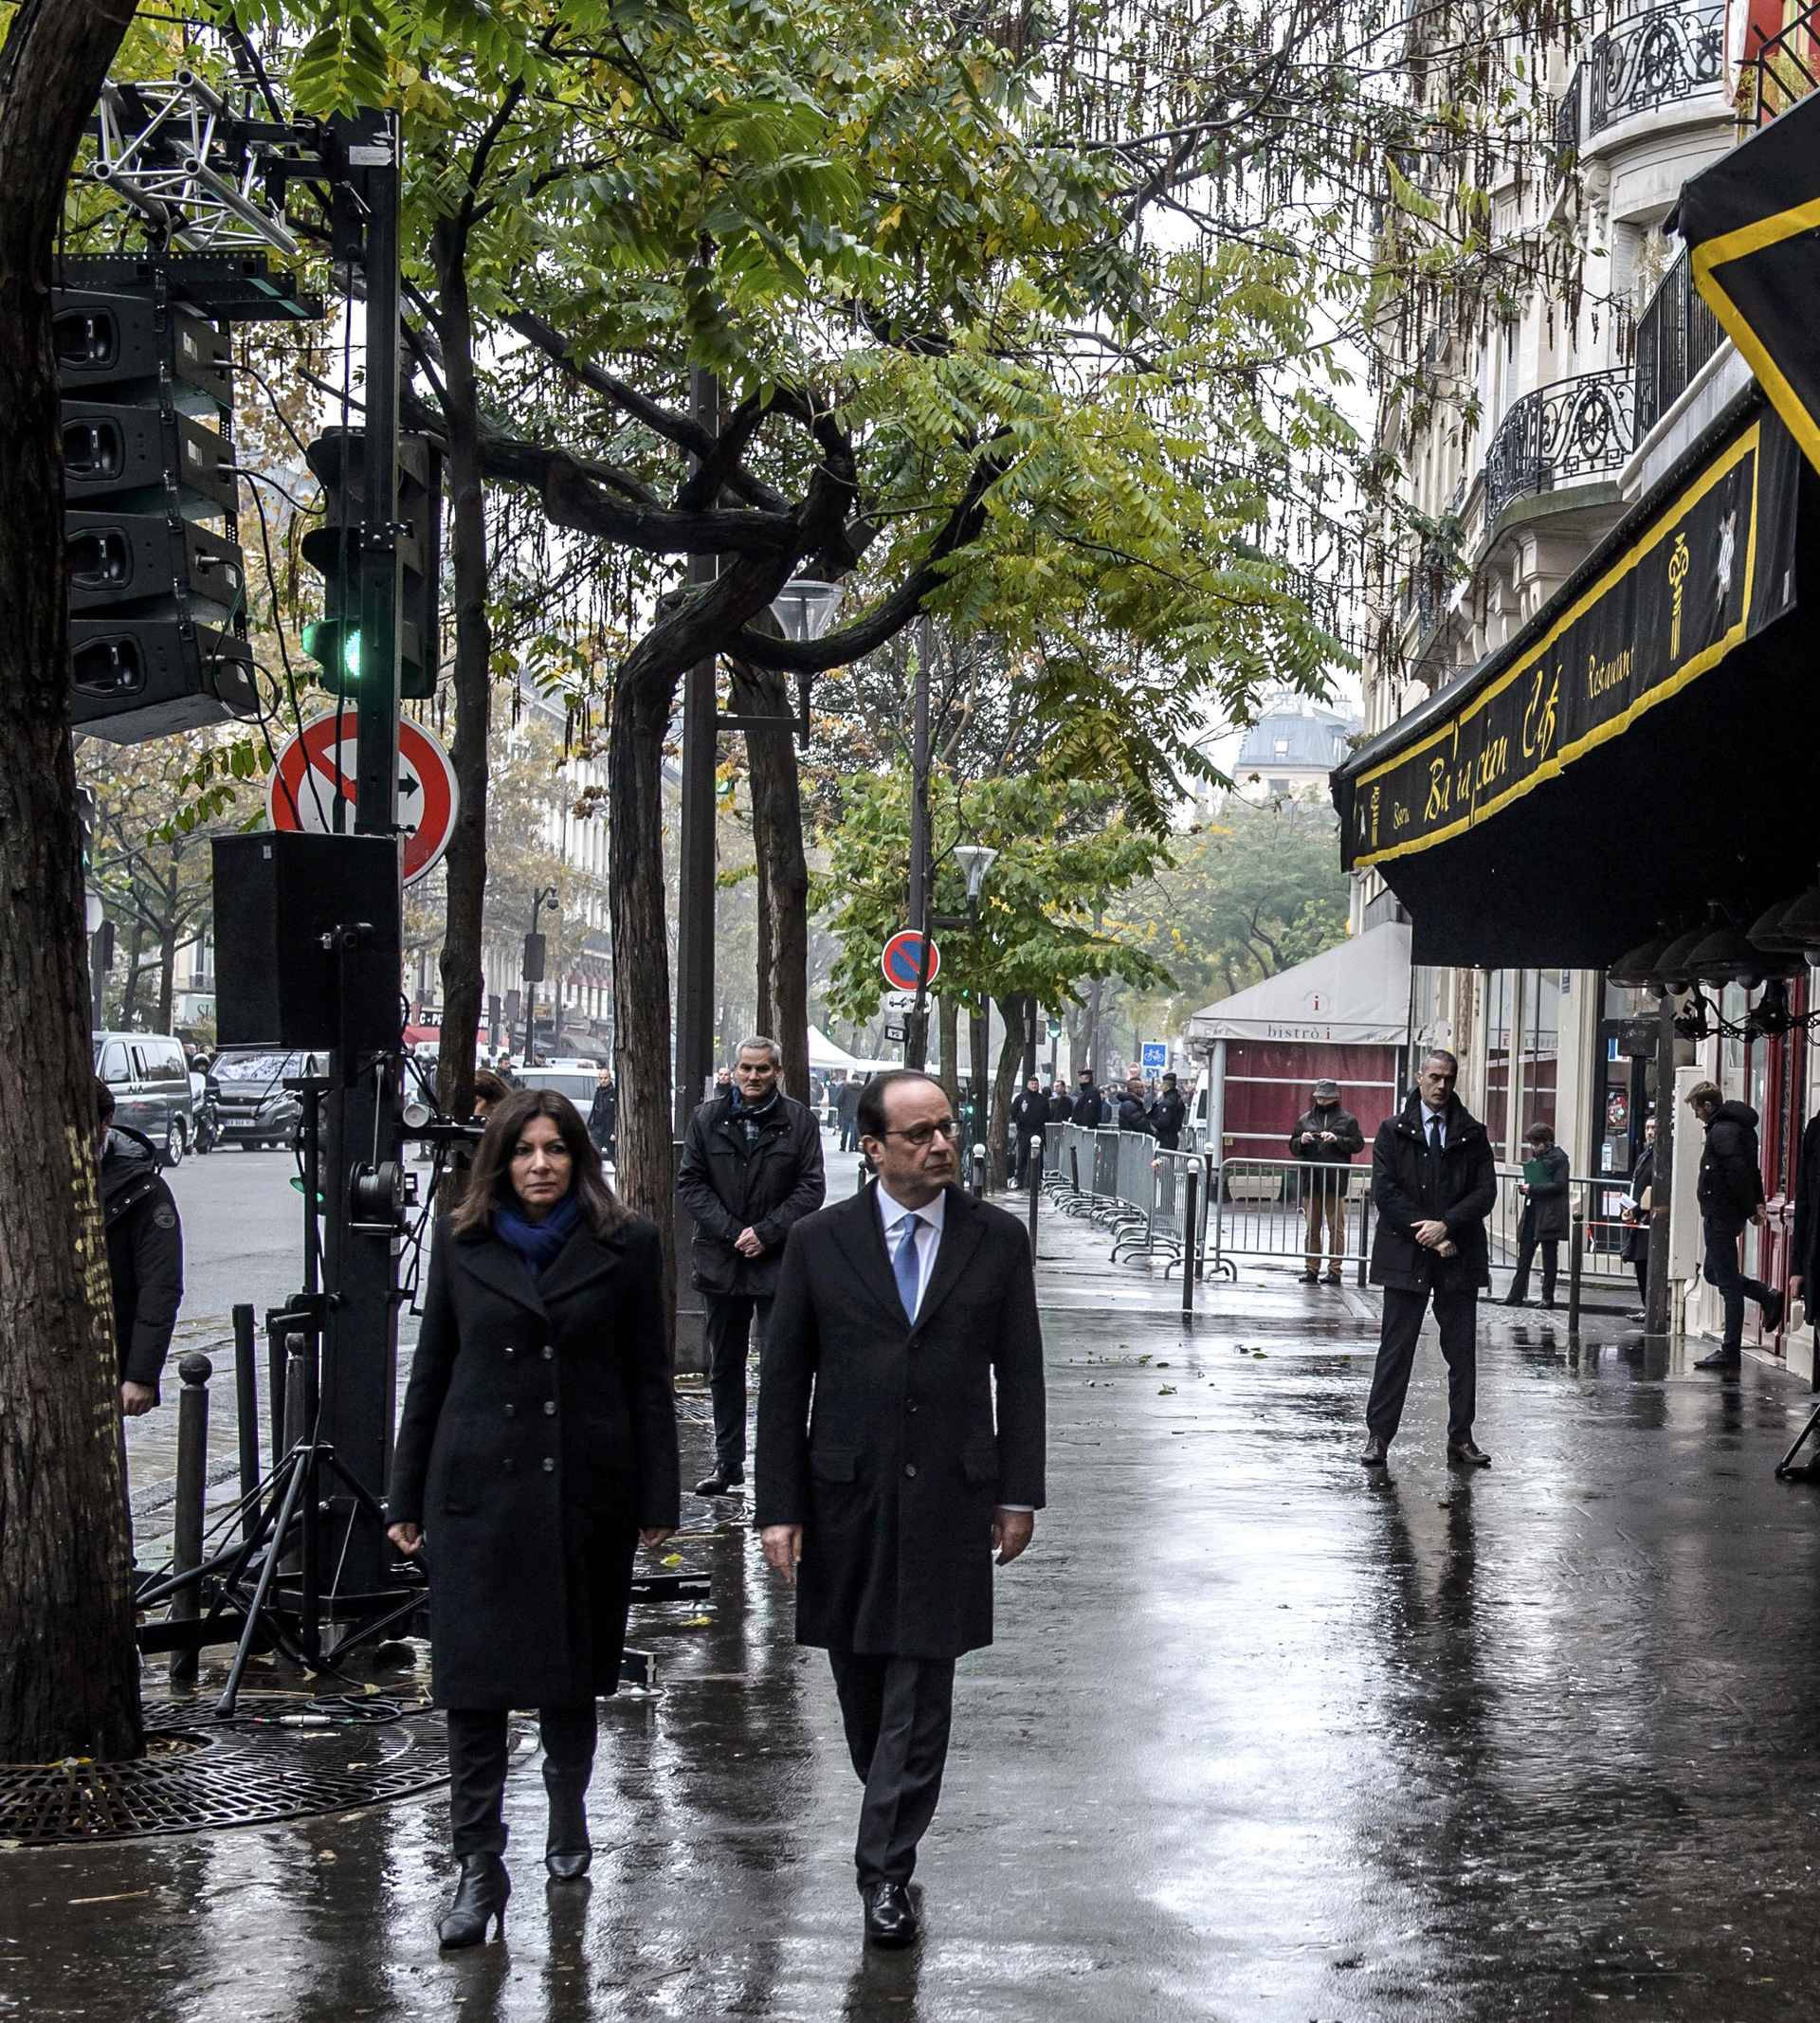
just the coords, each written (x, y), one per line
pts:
(279, 898)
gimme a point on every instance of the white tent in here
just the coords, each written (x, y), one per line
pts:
(1357, 995)
(824, 1054)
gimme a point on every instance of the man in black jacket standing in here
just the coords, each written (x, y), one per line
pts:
(1730, 1193)
(900, 1439)
(1089, 1105)
(1030, 1114)
(1167, 1116)
(1134, 1109)
(752, 1166)
(144, 1254)
(1433, 1183)
(1061, 1103)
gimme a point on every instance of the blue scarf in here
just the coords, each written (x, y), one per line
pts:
(538, 1243)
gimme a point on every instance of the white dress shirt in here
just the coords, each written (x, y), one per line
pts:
(928, 1242)
(933, 1213)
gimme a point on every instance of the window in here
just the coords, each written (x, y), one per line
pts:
(1542, 1020)
(1283, 748)
(113, 1068)
(1499, 1016)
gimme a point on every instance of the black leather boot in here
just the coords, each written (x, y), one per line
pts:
(567, 1852)
(479, 1897)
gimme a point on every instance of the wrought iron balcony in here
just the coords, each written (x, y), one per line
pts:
(1657, 56)
(1566, 114)
(1574, 429)
(1676, 335)
(1785, 67)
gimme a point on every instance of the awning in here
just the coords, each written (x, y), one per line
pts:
(823, 1053)
(1357, 995)
(1646, 745)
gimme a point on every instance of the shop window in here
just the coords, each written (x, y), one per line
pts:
(1541, 1046)
(1499, 1020)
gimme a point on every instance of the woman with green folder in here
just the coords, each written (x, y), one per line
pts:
(1544, 1188)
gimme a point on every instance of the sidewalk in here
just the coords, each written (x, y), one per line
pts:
(1261, 1736)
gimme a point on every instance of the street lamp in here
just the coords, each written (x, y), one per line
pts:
(532, 967)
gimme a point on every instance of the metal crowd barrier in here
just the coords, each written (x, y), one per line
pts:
(1124, 1182)
(1594, 1204)
(1260, 1210)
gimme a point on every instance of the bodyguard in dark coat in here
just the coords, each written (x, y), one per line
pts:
(1545, 1217)
(537, 1447)
(144, 1254)
(1433, 1183)
(1061, 1104)
(1167, 1116)
(1089, 1105)
(751, 1170)
(901, 1437)
(1730, 1191)
(1030, 1114)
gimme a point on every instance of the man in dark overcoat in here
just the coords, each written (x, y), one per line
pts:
(1089, 1105)
(751, 1170)
(1029, 1115)
(886, 1478)
(1433, 1183)
(1167, 1116)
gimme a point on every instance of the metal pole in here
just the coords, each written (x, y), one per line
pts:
(1190, 1264)
(696, 894)
(916, 1043)
(245, 1411)
(1036, 1184)
(192, 1487)
(1576, 1265)
(1662, 1184)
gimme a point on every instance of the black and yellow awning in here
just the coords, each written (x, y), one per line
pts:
(1752, 223)
(1650, 742)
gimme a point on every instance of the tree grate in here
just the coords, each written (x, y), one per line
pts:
(196, 1781)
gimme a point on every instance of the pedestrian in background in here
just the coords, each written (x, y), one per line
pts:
(901, 1441)
(1030, 1114)
(1133, 1108)
(1730, 1191)
(535, 1451)
(1433, 1183)
(752, 1168)
(1639, 1216)
(1545, 1215)
(1167, 1116)
(603, 1116)
(144, 1253)
(846, 1108)
(1061, 1103)
(1089, 1105)
(1325, 1138)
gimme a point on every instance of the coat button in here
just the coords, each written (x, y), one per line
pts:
(549, 1408)
(910, 1468)
(909, 1404)
(511, 1411)
(549, 1465)
(510, 1350)
(508, 1466)
(549, 1354)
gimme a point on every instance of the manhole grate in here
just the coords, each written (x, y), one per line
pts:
(203, 1781)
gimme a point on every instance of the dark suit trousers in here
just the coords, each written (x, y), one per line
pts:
(729, 1327)
(897, 1713)
(1730, 1284)
(1527, 1245)
(1456, 1315)
(477, 1760)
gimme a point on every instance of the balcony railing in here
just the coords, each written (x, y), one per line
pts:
(1676, 335)
(1666, 53)
(1786, 66)
(1574, 429)
(1566, 114)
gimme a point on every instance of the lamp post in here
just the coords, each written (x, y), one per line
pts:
(532, 967)
(975, 860)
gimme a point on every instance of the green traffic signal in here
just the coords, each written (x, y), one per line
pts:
(334, 644)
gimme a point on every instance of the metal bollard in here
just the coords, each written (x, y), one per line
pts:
(192, 1487)
(247, 1413)
(1575, 1261)
(980, 1173)
(1191, 1259)
(1036, 1186)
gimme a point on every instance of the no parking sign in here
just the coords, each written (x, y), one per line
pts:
(902, 953)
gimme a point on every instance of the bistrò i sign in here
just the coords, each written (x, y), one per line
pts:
(312, 787)
(902, 953)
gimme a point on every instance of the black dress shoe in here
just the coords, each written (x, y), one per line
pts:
(1333, 1278)
(720, 1481)
(480, 1896)
(890, 1916)
(1773, 1313)
(1374, 1454)
(567, 1851)
(1721, 1360)
(1311, 1278)
(1468, 1454)
(1513, 1301)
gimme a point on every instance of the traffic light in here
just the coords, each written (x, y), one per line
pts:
(157, 613)
(337, 459)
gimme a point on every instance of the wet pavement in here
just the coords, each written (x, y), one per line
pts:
(1261, 1736)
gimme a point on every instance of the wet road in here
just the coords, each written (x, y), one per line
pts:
(1261, 1738)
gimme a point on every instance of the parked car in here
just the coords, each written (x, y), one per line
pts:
(576, 1082)
(151, 1087)
(253, 1107)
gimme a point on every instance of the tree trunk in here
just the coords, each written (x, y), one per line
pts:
(783, 869)
(69, 1673)
(948, 1028)
(134, 970)
(167, 974)
(463, 975)
(1005, 1085)
(641, 1039)
(763, 1013)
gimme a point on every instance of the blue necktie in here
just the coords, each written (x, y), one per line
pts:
(906, 1266)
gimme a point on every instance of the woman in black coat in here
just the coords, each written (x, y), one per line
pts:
(1635, 1249)
(1545, 1216)
(536, 1451)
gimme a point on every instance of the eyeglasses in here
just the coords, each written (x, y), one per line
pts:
(927, 1134)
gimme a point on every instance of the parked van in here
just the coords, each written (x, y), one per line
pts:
(151, 1083)
(253, 1107)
